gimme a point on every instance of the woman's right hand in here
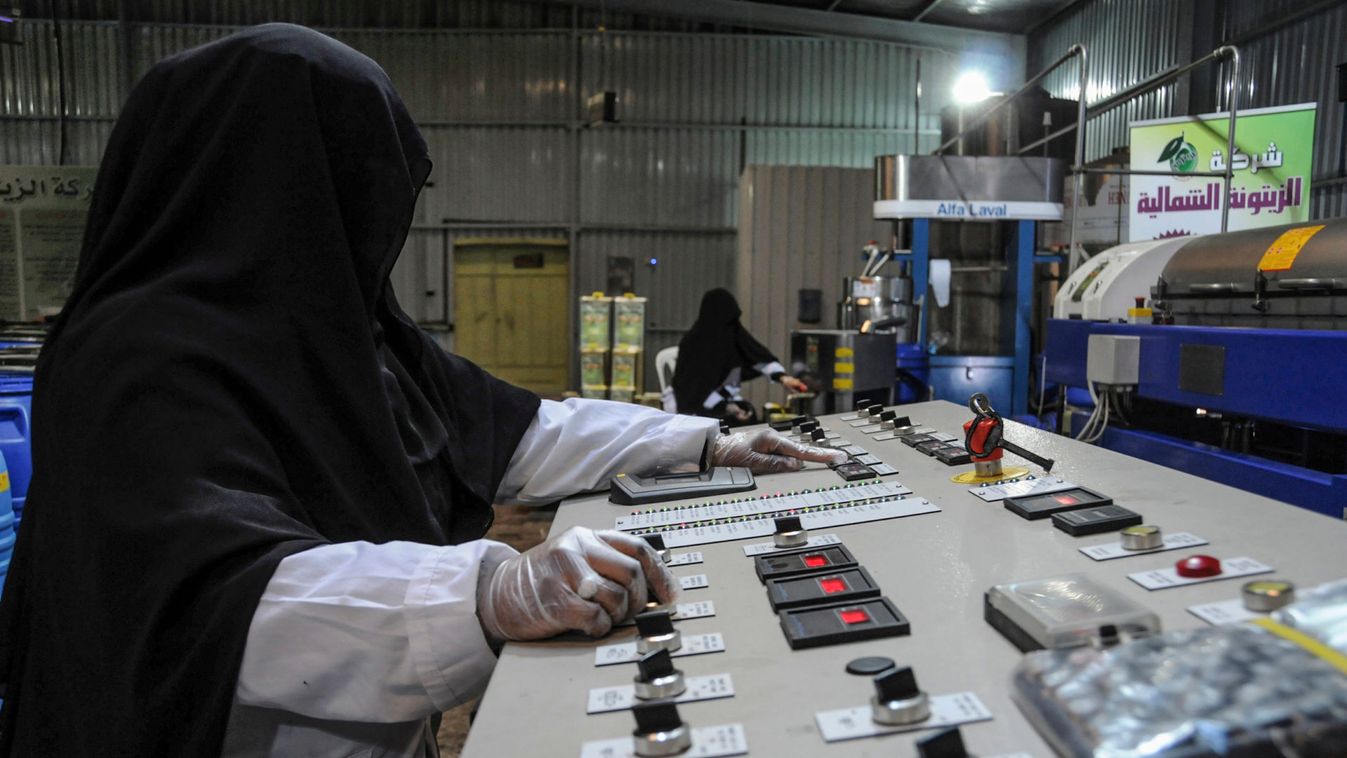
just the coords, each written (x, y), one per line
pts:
(793, 384)
(580, 580)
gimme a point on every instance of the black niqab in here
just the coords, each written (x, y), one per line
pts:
(231, 382)
(716, 344)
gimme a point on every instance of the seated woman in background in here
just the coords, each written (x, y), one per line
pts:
(715, 356)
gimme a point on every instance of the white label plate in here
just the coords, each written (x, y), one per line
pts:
(622, 697)
(812, 521)
(853, 450)
(867, 421)
(1033, 485)
(946, 437)
(818, 540)
(883, 469)
(1110, 550)
(1224, 612)
(694, 582)
(870, 428)
(755, 506)
(685, 611)
(841, 515)
(693, 644)
(1233, 568)
(685, 559)
(946, 710)
(707, 742)
(868, 459)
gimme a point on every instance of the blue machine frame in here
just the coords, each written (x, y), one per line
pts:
(1003, 378)
(1287, 376)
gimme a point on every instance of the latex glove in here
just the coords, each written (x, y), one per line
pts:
(793, 384)
(580, 580)
(737, 411)
(767, 452)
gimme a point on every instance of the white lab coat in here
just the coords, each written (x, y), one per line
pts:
(354, 646)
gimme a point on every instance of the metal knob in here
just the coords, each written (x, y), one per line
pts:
(1267, 595)
(897, 700)
(656, 541)
(1143, 537)
(819, 437)
(657, 678)
(790, 532)
(887, 418)
(657, 632)
(659, 730)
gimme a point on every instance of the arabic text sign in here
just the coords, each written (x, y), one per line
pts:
(1272, 164)
(42, 216)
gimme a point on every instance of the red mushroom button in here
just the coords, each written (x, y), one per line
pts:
(1198, 566)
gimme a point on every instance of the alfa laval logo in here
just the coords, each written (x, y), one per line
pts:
(1180, 153)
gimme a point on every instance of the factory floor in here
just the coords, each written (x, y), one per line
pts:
(520, 527)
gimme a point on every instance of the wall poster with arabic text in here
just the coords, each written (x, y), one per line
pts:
(43, 210)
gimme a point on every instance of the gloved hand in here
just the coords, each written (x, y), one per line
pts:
(767, 452)
(579, 580)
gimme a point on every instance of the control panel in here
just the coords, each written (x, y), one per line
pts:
(881, 605)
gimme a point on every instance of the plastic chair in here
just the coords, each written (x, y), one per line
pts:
(665, 360)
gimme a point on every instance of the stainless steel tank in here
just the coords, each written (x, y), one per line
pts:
(1216, 280)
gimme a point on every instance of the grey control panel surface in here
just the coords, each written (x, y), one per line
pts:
(935, 568)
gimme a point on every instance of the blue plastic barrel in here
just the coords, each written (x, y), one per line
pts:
(914, 374)
(16, 428)
(6, 522)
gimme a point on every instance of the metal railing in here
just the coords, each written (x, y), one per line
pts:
(1084, 114)
(1075, 51)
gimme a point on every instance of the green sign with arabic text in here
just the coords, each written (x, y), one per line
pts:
(1270, 186)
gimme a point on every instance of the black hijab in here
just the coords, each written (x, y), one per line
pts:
(716, 344)
(231, 382)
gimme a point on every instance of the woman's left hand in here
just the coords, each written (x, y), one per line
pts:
(793, 384)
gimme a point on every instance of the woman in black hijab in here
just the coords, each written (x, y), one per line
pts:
(259, 489)
(715, 356)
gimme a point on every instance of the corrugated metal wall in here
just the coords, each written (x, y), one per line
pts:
(784, 247)
(499, 100)
(1129, 40)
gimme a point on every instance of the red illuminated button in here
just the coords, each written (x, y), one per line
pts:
(815, 560)
(1065, 499)
(854, 616)
(1197, 566)
(832, 585)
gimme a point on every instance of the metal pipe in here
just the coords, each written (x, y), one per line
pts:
(1079, 156)
(1147, 172)
(1233, 53)
(929, 7)
(1075, 50)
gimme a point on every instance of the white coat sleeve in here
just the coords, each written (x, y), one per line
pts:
(578, 445)
(360, 632)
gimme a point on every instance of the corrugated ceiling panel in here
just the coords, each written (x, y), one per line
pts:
(1127, 41)
(1295, 64)
(824, 148)
(497, 174)
(478, 77)
(28, 85)
(678, 177)
(32, 142)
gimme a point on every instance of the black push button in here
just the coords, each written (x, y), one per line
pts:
(1041, 506)
(943, 744)
(833, 624)
(848, 585)
(782, 565)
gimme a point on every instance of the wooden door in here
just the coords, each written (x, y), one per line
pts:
(510, 310)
